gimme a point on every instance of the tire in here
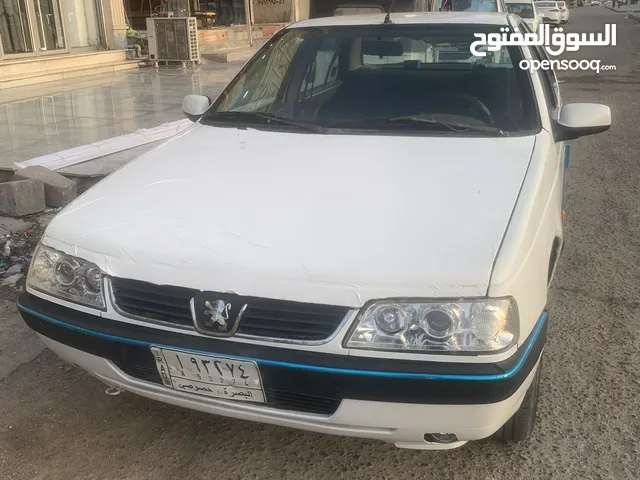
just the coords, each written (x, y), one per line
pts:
(520, 427)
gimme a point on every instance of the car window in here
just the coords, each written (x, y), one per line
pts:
(548, 78)
(322, 69)
(523, 10)
(372, 77)
(474, 5)
(546, 5)
(259, 86)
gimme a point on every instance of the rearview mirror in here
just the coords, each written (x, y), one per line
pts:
(580, 119)
(382, 48)
(193, 106)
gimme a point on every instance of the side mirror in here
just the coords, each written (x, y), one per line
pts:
(580, 119)
(193, 106)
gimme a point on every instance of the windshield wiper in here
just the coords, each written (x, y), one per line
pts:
(265, 118)
(456, 127)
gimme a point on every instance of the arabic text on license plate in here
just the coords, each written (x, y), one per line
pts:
(207, 375)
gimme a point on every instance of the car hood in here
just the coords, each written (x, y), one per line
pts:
(335, 219)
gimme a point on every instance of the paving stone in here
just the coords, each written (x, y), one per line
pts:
(22, 197)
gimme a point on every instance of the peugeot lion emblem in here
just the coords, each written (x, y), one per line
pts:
(217, 314)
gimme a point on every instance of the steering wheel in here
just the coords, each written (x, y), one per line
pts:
(474, 102)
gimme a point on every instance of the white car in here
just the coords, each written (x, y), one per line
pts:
(564, 12)
(337, 244)
(525, 9)
(550, 12)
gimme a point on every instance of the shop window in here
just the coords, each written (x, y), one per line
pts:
(14, 27)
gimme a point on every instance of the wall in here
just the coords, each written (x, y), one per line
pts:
(303, 10)
(272, 11)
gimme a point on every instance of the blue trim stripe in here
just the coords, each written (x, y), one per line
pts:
(314, 368)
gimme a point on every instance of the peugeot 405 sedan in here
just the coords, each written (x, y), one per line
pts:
(356, 238)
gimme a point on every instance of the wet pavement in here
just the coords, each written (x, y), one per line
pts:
(99, 107)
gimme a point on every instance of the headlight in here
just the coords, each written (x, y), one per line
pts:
(67, 277)
(453, 326)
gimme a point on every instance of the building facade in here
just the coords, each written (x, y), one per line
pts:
(41, 28)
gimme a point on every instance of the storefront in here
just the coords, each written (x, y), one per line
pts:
(34, 28)
(212, 13)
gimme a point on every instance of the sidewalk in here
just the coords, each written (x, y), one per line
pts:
(632, 9)
(48, 118)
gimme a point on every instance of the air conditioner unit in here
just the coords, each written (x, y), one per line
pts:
(173, 39)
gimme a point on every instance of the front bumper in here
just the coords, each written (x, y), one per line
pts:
(397, 401)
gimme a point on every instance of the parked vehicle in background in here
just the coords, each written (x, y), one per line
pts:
(526, 10)
(580, 3)
(549, 12)
(564, 12)
(595, 3)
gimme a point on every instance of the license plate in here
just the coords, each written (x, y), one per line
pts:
(209, 375)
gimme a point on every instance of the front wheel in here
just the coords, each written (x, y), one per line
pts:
(520, 427)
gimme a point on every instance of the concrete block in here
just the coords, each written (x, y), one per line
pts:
(58, 190)
(22, 197)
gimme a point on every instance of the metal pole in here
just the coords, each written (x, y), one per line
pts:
(247, 16)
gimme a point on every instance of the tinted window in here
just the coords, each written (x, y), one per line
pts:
(474, 5)
(376, 76)
(523, 10)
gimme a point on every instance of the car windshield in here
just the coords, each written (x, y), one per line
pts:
(523, 10)
(383, 77)
(546, 5)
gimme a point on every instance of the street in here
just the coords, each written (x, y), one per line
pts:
(56, 422)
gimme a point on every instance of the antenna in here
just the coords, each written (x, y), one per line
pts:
(387, 18)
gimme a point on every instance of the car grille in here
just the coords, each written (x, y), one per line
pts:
(263, 317)
(275, 398)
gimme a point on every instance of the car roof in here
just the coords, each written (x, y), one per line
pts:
(402, 18)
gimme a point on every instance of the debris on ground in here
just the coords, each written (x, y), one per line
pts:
(17, 243)
(11, 279)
